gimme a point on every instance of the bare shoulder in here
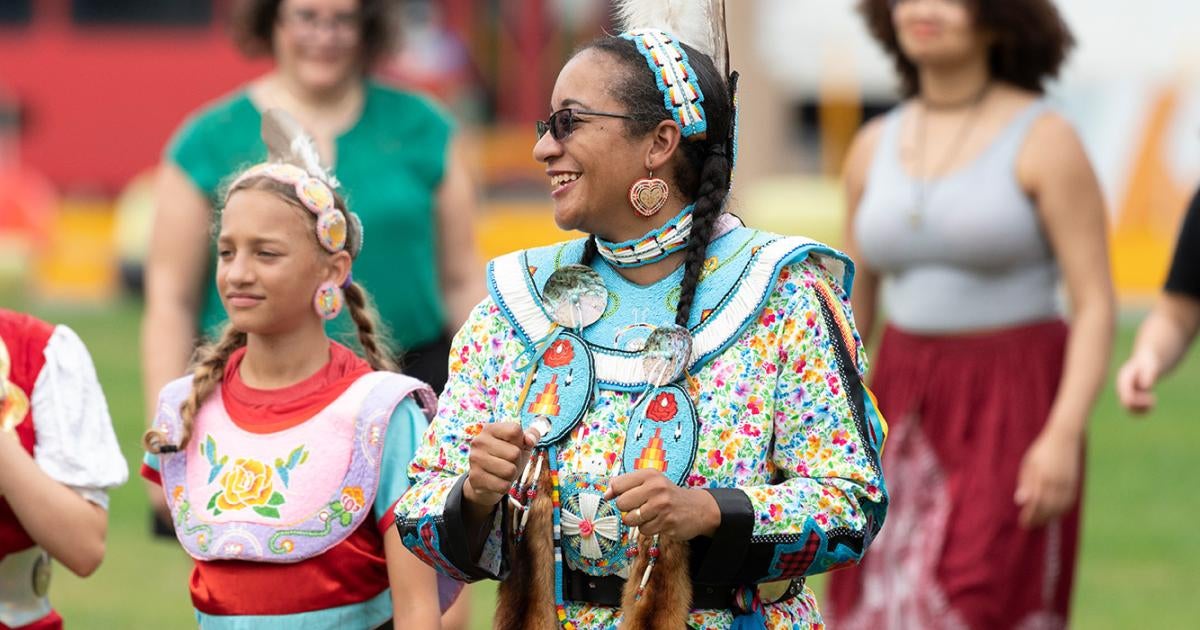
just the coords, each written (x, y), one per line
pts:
(862, 148)
(1052, 147)
(1051, 130)
(868, 137)
(1048, 130)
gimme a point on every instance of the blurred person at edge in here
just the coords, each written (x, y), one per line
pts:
(966, 204)
(1169, 330)
(396, 154)
(58, 459)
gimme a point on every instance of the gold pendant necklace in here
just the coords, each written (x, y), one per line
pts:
(924, 183)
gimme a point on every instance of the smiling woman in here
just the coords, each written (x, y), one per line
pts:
(643, 426)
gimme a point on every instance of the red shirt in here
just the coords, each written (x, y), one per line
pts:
(26, 338)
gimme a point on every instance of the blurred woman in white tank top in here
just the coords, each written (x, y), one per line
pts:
(968, 204)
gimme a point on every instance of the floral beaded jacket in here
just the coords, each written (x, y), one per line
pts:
(788, 442)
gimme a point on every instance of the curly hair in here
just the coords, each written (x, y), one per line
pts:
(1032, 40)
(252, 23)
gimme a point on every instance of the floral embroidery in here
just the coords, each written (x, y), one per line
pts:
(339, 512)
(663, 407)
(561, 353)
(182, 509)
(249, 484)
(352, 499)
(770, 392)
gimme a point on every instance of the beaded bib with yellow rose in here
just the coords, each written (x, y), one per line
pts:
(283, 496)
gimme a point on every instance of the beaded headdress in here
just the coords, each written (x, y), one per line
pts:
(658, 28)
(293, 160)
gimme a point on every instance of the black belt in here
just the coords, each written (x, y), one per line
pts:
(606, 591)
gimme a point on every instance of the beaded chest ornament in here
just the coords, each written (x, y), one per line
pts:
(662, 433)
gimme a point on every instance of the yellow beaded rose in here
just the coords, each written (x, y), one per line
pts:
(249, 483)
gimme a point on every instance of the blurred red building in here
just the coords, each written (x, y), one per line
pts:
(101, 84)
(99, 92)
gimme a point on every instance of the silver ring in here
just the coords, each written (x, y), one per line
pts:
(637, 512)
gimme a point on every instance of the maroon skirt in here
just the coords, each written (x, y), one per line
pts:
(962, 411)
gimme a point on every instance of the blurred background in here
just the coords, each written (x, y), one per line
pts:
(90, 91)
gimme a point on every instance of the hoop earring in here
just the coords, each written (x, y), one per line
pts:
(648, 195)
(328, 301)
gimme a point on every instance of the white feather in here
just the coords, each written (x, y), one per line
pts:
(698, 23)
(287, 141)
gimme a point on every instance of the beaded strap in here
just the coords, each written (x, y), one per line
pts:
(675, 77)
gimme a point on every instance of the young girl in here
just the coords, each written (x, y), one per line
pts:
(282, 454)
(58, 459)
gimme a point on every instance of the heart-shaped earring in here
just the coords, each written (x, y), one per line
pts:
(648, 195)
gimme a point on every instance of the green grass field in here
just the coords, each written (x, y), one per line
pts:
(1140, 564)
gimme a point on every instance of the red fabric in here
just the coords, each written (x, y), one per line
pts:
(49, 622)
(26, 338)
(962, 411)
(353, 571)
(389, 518)
(271, 410)
(151, 475)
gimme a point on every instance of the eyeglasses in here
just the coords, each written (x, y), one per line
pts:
(952, 3)
(309, 23)
(562, 122)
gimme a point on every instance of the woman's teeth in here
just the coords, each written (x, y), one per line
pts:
(563, 178)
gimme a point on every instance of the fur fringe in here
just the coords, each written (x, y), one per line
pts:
(667, 600)
(526, 598)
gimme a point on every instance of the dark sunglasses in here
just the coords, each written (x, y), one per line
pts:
(562, 122)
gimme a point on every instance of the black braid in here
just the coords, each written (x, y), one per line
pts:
(589, 251)
(714, 187)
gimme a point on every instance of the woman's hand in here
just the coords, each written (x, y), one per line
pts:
(1049, 477)
(1135, 382)
(497, 455)
(654, 505)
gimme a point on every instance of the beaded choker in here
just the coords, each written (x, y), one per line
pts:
(651, 248)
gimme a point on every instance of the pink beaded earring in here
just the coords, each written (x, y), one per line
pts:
(329, 300)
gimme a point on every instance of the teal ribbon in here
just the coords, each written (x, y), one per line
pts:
(533, 352)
